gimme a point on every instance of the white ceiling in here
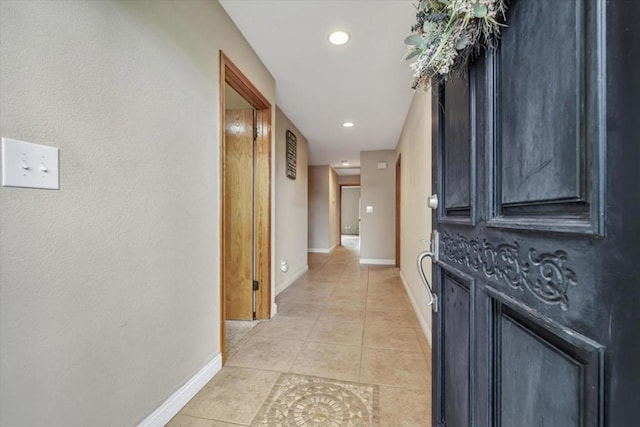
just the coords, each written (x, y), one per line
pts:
(319, 86)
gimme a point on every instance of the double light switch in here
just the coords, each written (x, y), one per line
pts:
(29, 165)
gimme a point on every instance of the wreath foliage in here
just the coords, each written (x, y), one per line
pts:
(448, 33)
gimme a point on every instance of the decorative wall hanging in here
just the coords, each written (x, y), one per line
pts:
(292, 153)
(448, 33)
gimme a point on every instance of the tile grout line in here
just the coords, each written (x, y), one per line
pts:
(304, 343)
(264, 400)
(213, 419)
(295, 358)
(305, 340)
(364, 326)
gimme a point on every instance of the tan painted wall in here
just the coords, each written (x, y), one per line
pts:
(349, 180)
(415, 148)
(350, 213)
(291, 205)
(233, 99)
(334, 209)
(324, 208)
(377, 189)
(109, 293)
(319, 207)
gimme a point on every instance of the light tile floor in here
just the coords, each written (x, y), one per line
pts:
(340, 320)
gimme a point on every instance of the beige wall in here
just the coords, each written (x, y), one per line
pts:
(324, 209)
(350, 213)
(291, 206)
(377, 189)
(233, 99)
(319, 207)
(415, 148)
(109, 294)
(349, 179)
(334, 209)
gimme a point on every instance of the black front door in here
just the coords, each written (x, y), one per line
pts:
(537, 157)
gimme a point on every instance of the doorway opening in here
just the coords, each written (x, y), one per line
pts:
(245, 285)
(350, 216)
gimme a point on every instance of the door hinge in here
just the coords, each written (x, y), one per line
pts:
(255, 125)
(256, 285)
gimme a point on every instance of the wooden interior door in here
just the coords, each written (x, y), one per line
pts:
(239, 214)
(538, 223)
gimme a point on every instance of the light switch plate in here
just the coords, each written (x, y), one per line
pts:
(369, 209)
(29, 165)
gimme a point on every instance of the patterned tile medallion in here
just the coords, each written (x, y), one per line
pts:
(305, 401)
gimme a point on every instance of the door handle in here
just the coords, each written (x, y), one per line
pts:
(433, 298)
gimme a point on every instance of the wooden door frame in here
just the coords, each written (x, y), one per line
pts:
(230, 74)
(398, 209)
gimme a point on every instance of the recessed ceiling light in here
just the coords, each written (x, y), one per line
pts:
(348, 124)
(338, 38)
(345, 163)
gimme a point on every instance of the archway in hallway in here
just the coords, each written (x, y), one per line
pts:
(350, 216)
(351, 242)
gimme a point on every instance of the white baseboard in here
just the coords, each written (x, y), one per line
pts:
(294, 276)
(426, 330)
(319, 250)
(377, 261)
(165, 412)
(274, 309)
(322, 250)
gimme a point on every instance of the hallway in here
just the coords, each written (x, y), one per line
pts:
(342, 321)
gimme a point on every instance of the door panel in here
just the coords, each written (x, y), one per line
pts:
(457, 151)
(547, 113)
(550, 379)
(238, 214)
(455, 318)
(530, 281)
(538, 111)
(545, 373)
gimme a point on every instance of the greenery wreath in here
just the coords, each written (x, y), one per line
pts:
(448, 33)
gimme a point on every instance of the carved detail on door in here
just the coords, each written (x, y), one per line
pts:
(545, 275)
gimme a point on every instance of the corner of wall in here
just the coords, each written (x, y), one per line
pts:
(377, 189)
(415, 188)
(425, 324)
